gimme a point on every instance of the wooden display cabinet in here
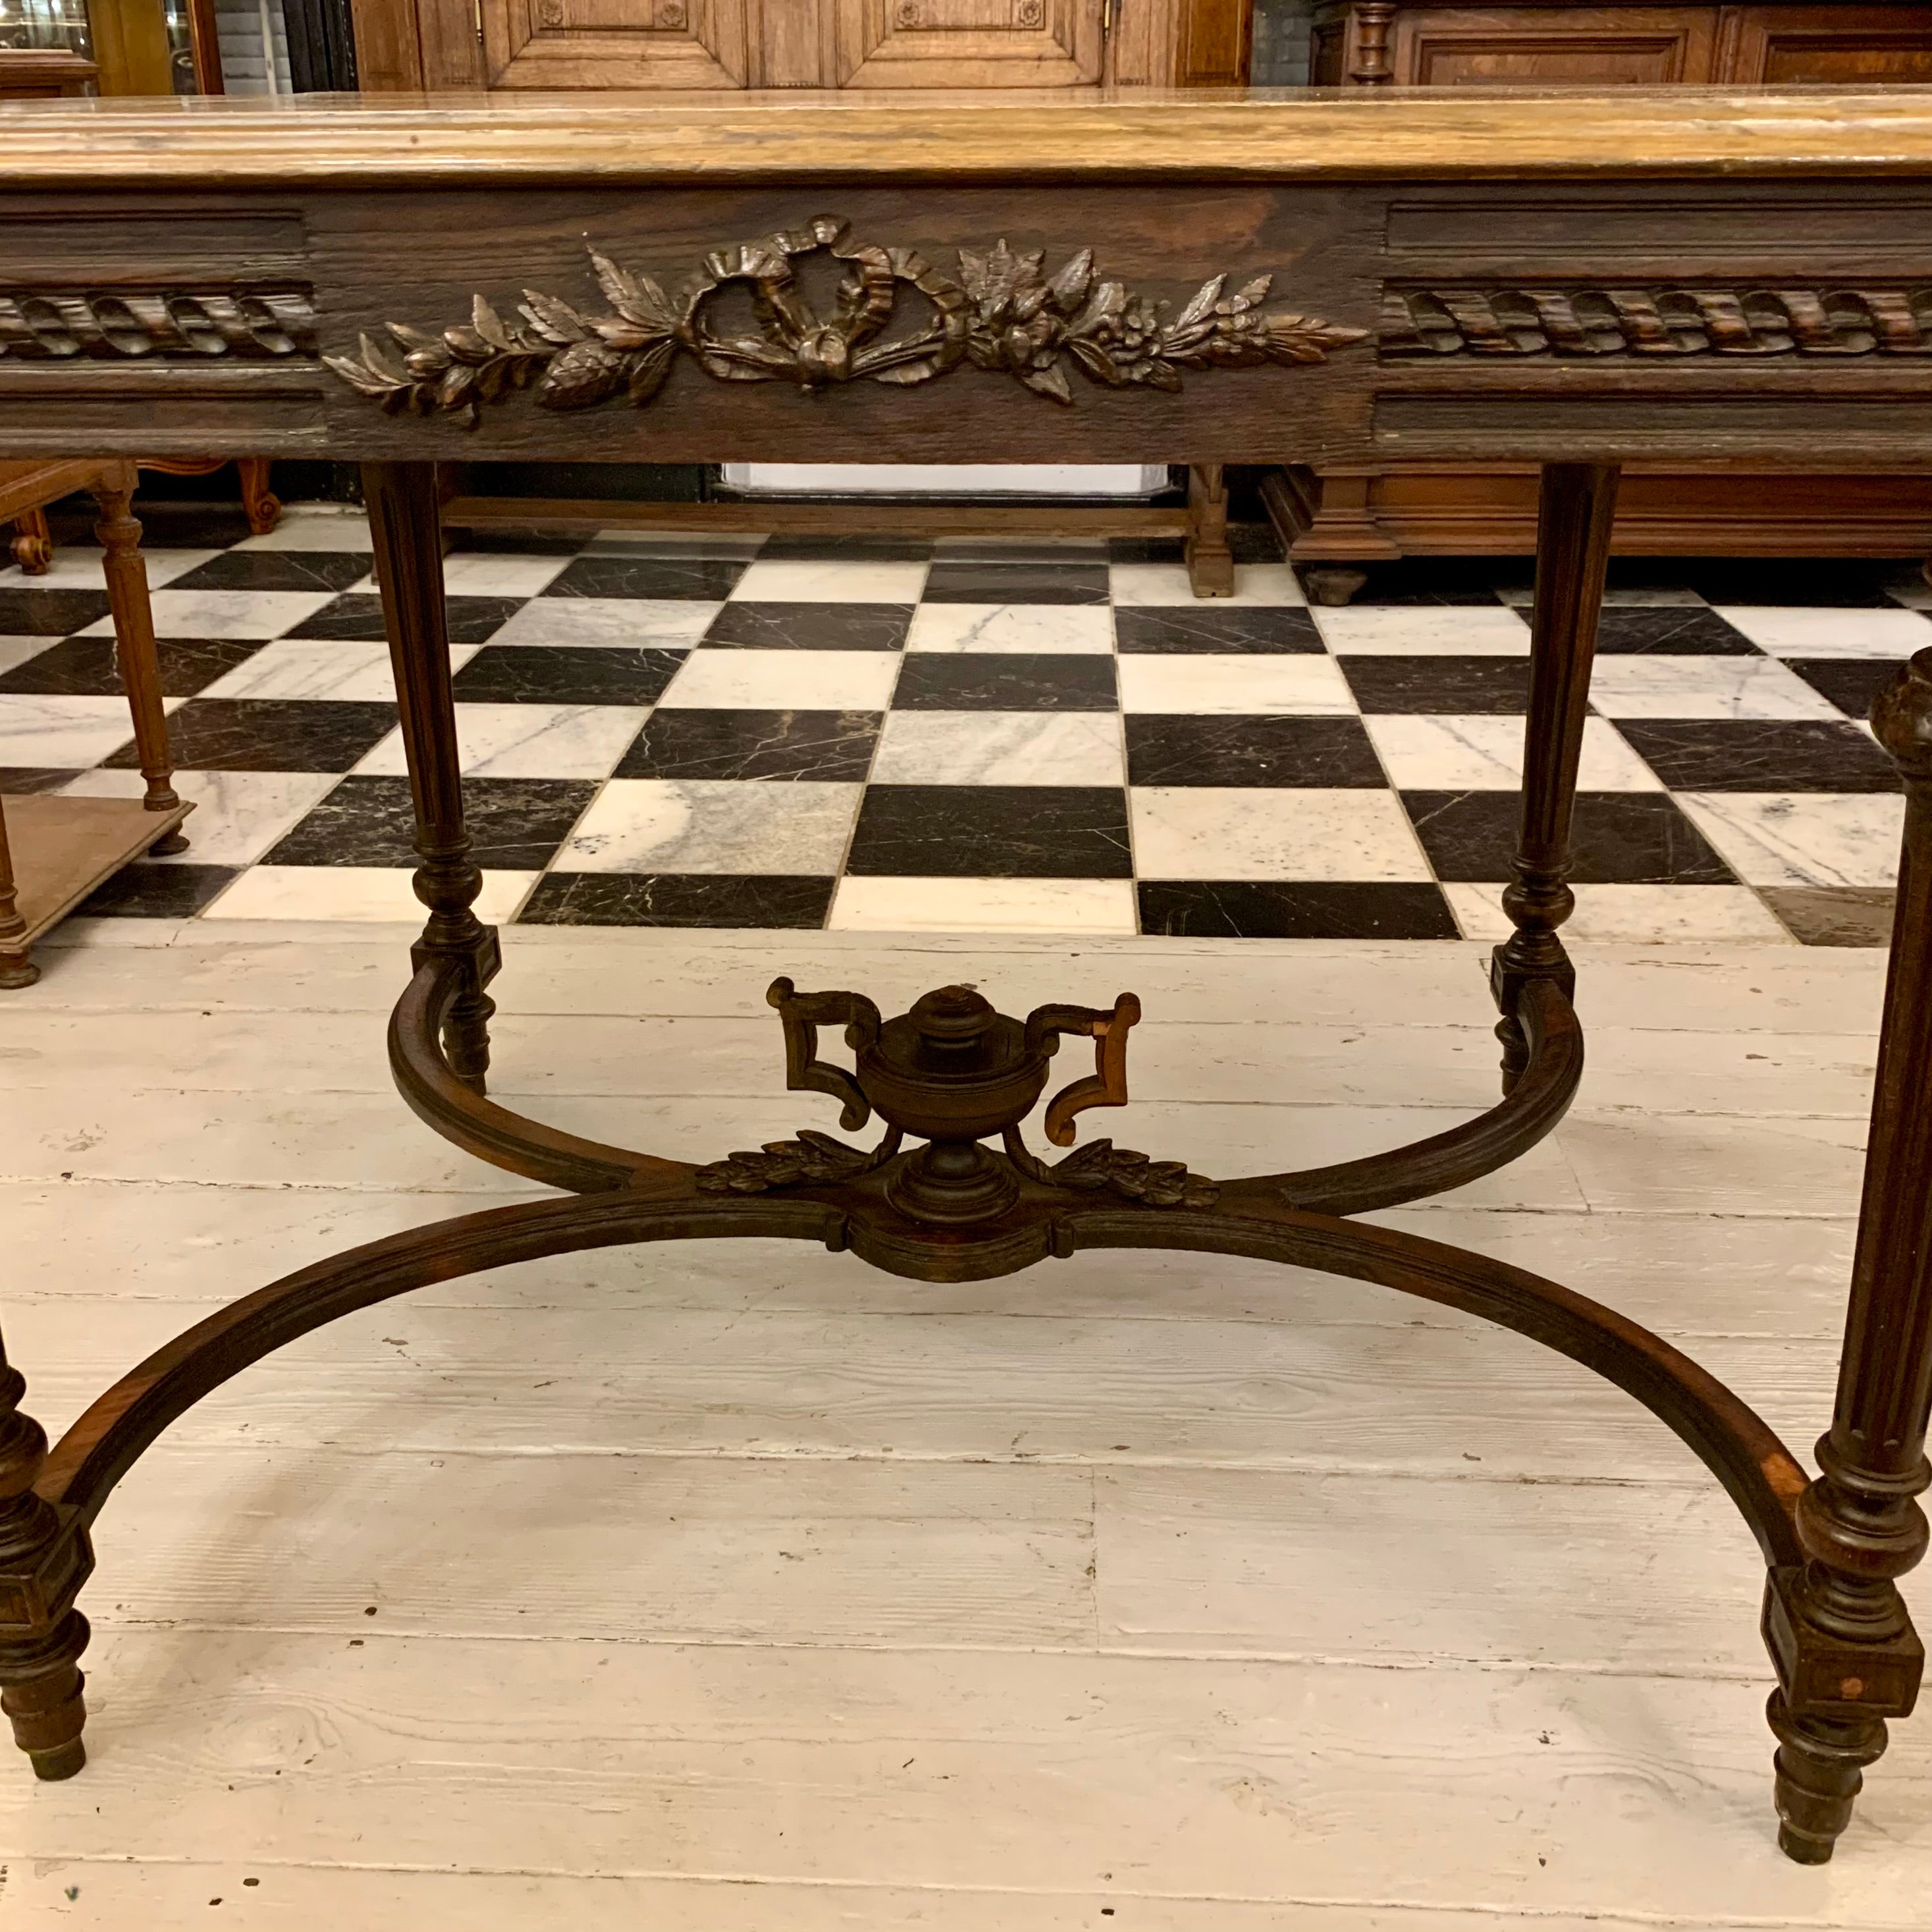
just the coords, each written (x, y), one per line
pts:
(1347, 517)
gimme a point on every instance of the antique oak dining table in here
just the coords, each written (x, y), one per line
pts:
(1575, 279)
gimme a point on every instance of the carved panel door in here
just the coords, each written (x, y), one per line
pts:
(969, 43)
(644, 43)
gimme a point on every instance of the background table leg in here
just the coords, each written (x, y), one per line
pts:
(1572, 554)
(1210, 564)
(1847, 1655)
(16, 968)
(403, 522)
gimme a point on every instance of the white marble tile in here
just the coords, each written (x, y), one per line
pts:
(1440, 753)
(1059, 627)
(1424, 630)
(1644, 686)
(1205, 832)
(529, 741)
(713, 825)
(741, 680)
(225, 613)
(786, 581)
(315, 526)
(341, 671)
(53, 731)
(1168, 583)
(489, 573)
(1640, 915)
(237, 816)
(633, 621)
(726, 545)
(77, 567)
(17, 650)
(1300, 684)
(1802, 838)
(1794, 631)
(354, 892)
(983, 905)
(1078, 747)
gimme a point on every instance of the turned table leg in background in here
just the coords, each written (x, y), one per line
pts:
(1572, 554)
(405, 527)
(1847, 1655)
(16, 968)
(135, 652)
(1210, 564)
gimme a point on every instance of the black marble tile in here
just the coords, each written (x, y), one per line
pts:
(84, 667)
(1847, 583)
(802, 549)
(356, 618)
(1164, 749)
(566, 674)
(520, 541)
(1834, 915)
(1275, 909)
(1644, 578)
(144, 890)
(1672, 630)
(1760, 755)
(702, 580)
(1434, 580)
(992, 832)
(23, 778)
(954, 581)
(165, 525)
(267, 734)
(277, 570)
(50, 613)
(1005, 681)
(677, 898)
(1255, 543)
(517, 823)
(811, 627)
(704, 743)
(1443, 685)
(1217, 628)
(1850, 683)
(1147, 550)
(1620, 838)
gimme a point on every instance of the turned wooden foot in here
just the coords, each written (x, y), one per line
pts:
(40, 1686)
(1820, 1764)
(33, 543)
(1331, 585)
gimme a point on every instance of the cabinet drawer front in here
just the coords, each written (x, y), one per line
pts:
(1849, 45)
(1543, 46)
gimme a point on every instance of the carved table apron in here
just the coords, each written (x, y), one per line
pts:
(1574, 280)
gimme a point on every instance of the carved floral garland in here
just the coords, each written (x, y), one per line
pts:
(1003, 313)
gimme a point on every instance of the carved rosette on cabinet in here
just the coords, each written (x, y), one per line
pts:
(1002, 312)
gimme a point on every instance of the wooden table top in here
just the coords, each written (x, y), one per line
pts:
(406, 141)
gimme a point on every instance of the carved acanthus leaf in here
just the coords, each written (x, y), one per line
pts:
(1003, 312)
(812, 1158)
(1159, 1184)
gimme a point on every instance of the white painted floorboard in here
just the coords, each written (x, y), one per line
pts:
(739, 1588)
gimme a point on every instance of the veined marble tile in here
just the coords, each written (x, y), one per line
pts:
(1169, 584)
(315, 526)
(17, 650)
(484, 573)
(785, 680)
(360, 893)
(1436, 753)
(841, 581)
(237, 815)
(1305, 685)
(63, 731)
(1057, 628)
(983, 905)
(713, 825)
(729, 545)
(225, 614)
(1802, 838)
(529, 741)
(1523, 596)
(1209, 832)
(1643, 915)
(635, 621)
(1706, 687)
(287, 669)
(1417, 630)
(1081, 748)
(1794, 631)
(77, 567)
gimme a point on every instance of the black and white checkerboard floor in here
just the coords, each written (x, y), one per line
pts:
(894, 736)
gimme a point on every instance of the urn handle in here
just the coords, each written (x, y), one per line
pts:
(1106, 1086)
(802, 1015)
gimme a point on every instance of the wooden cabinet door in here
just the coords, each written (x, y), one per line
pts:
(1552, 46)
(613, 43)
(1844, 45)
(970, 43)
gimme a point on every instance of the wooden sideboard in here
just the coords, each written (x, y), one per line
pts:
(1201, 279)
(1344, 517)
